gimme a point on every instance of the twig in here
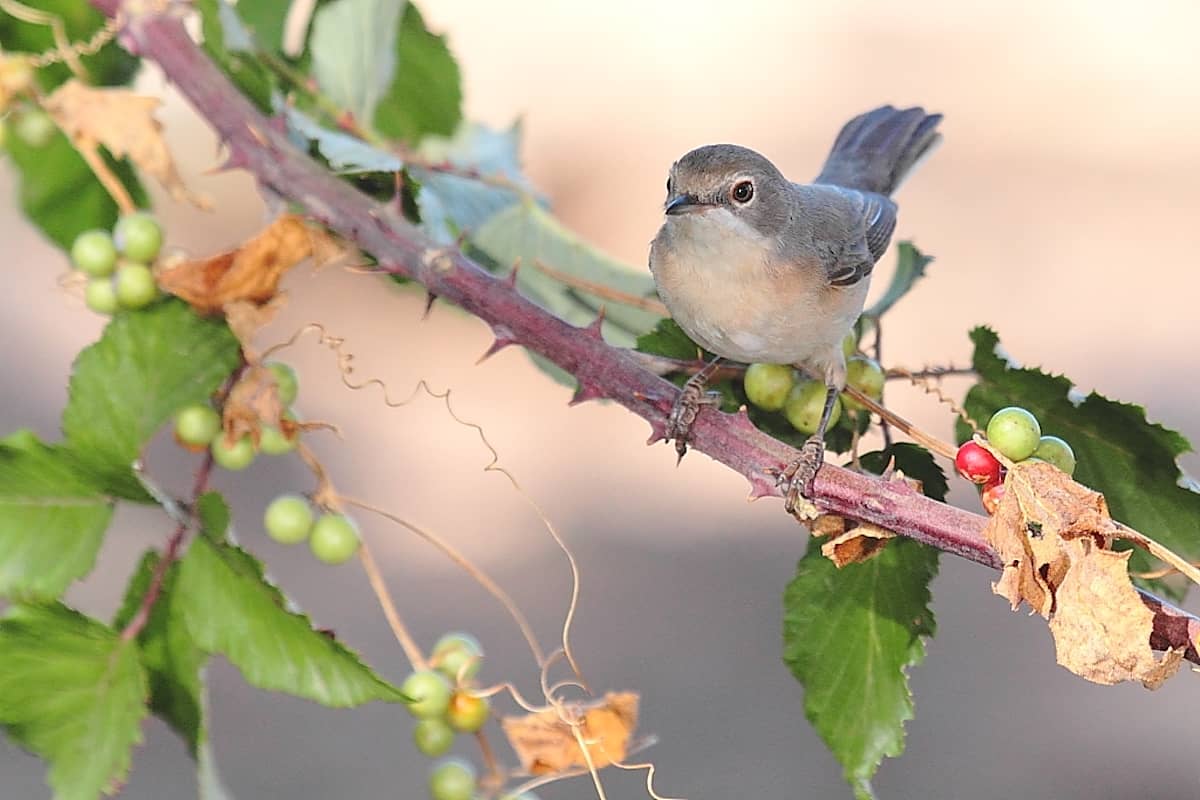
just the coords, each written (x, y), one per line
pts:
(602, 290)
(919, 436)
(602, 371)
(947, 371)
(884, 428)
(171, 552)
(412, 650)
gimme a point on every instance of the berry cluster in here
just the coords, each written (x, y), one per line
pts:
(776, 387)
(443, 700)
(118, 264)
(333, 538)
(1016, 434)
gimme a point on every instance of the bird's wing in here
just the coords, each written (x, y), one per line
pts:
(856, 228)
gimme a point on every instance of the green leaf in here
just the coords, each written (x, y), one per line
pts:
(1122, 455)
(449, 203)
(265, 20)
(348, 155)
(354, 52)
(275, 648)
(910, 267)
(231, 47)
(146, 366)
(52, 521)
(110, 66)
(527, 234)
(73, 692)
(850, 635)
(426, 95)
(668, 339)
(173, 661)
(60, 193)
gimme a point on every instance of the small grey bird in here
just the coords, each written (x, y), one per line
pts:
(756, 268)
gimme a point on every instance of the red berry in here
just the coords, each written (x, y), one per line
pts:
(976, 464)
(992, 495)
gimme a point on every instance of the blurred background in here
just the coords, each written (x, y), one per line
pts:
(1061, 209)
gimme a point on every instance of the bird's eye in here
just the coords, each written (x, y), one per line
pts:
(742, 192)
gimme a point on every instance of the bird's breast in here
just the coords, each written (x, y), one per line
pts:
(726, 286)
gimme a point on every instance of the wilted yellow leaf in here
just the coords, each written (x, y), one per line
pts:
(545, 744)
(850, 542)
(124, 123)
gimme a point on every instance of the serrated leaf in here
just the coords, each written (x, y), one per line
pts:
(172, 660)
(145, 366)
(347, 154)
(669, 340)
(275, 648)
(910, 267)
(450, 204)
(425, 97)
(231, 47)
(52, 521)
(60, 193)
(354, 52)
(851, 634)
(110, 66)
(73, 692)
(527, 234)
(1122, 455)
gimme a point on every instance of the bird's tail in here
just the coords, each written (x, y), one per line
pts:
(875, 150)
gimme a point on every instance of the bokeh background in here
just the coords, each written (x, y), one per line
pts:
(1061, 208)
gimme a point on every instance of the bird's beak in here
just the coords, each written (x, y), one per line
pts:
(685, 204)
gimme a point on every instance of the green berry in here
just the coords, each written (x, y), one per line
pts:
(452, 779)
(286, 383)
(1057, 452)
(467, 713)
(197, 425)
(428, 693)
(273, 441)
(1014, 432)
(235, 455)
(334, 538)
(804, 406)
(433, 737)
(138, 236)
(35, 128)
(94, 253)
(867, 376)
(135, 285)
(101, 296)
(850, 344)
(767, 385)
(288, 519)
(457, 654)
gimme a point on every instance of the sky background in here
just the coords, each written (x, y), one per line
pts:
(1061, 209)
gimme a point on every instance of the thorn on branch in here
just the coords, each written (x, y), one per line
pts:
(594, 327)
(511, 279)
(504, 337)
(429, 298)
(586, 391)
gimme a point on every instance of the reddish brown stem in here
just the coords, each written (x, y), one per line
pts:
(169, 555)
(260, 146)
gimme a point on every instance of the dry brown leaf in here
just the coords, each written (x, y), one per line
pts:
(1101, 626)
(1054, 538)
(850, 542)
(250, 273)
(253, 402)
(124, 123)
(545, 744)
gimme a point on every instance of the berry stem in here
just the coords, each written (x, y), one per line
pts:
(412, 650)
(612, 373)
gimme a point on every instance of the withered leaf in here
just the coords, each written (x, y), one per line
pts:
(545, 744)
(1101, 626)
(251, 272)
(123, 122)
(253, 402)
(850, 542)
(1054, 537)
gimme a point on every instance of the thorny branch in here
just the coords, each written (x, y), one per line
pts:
(259, 145)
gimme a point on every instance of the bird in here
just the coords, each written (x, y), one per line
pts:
(758, 269)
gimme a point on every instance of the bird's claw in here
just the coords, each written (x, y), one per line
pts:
(687, 406)
(796, 479)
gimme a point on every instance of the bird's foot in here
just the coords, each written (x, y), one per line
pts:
(687, 406)
(796, 479)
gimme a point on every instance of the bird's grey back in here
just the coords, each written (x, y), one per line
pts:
(874, 151)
